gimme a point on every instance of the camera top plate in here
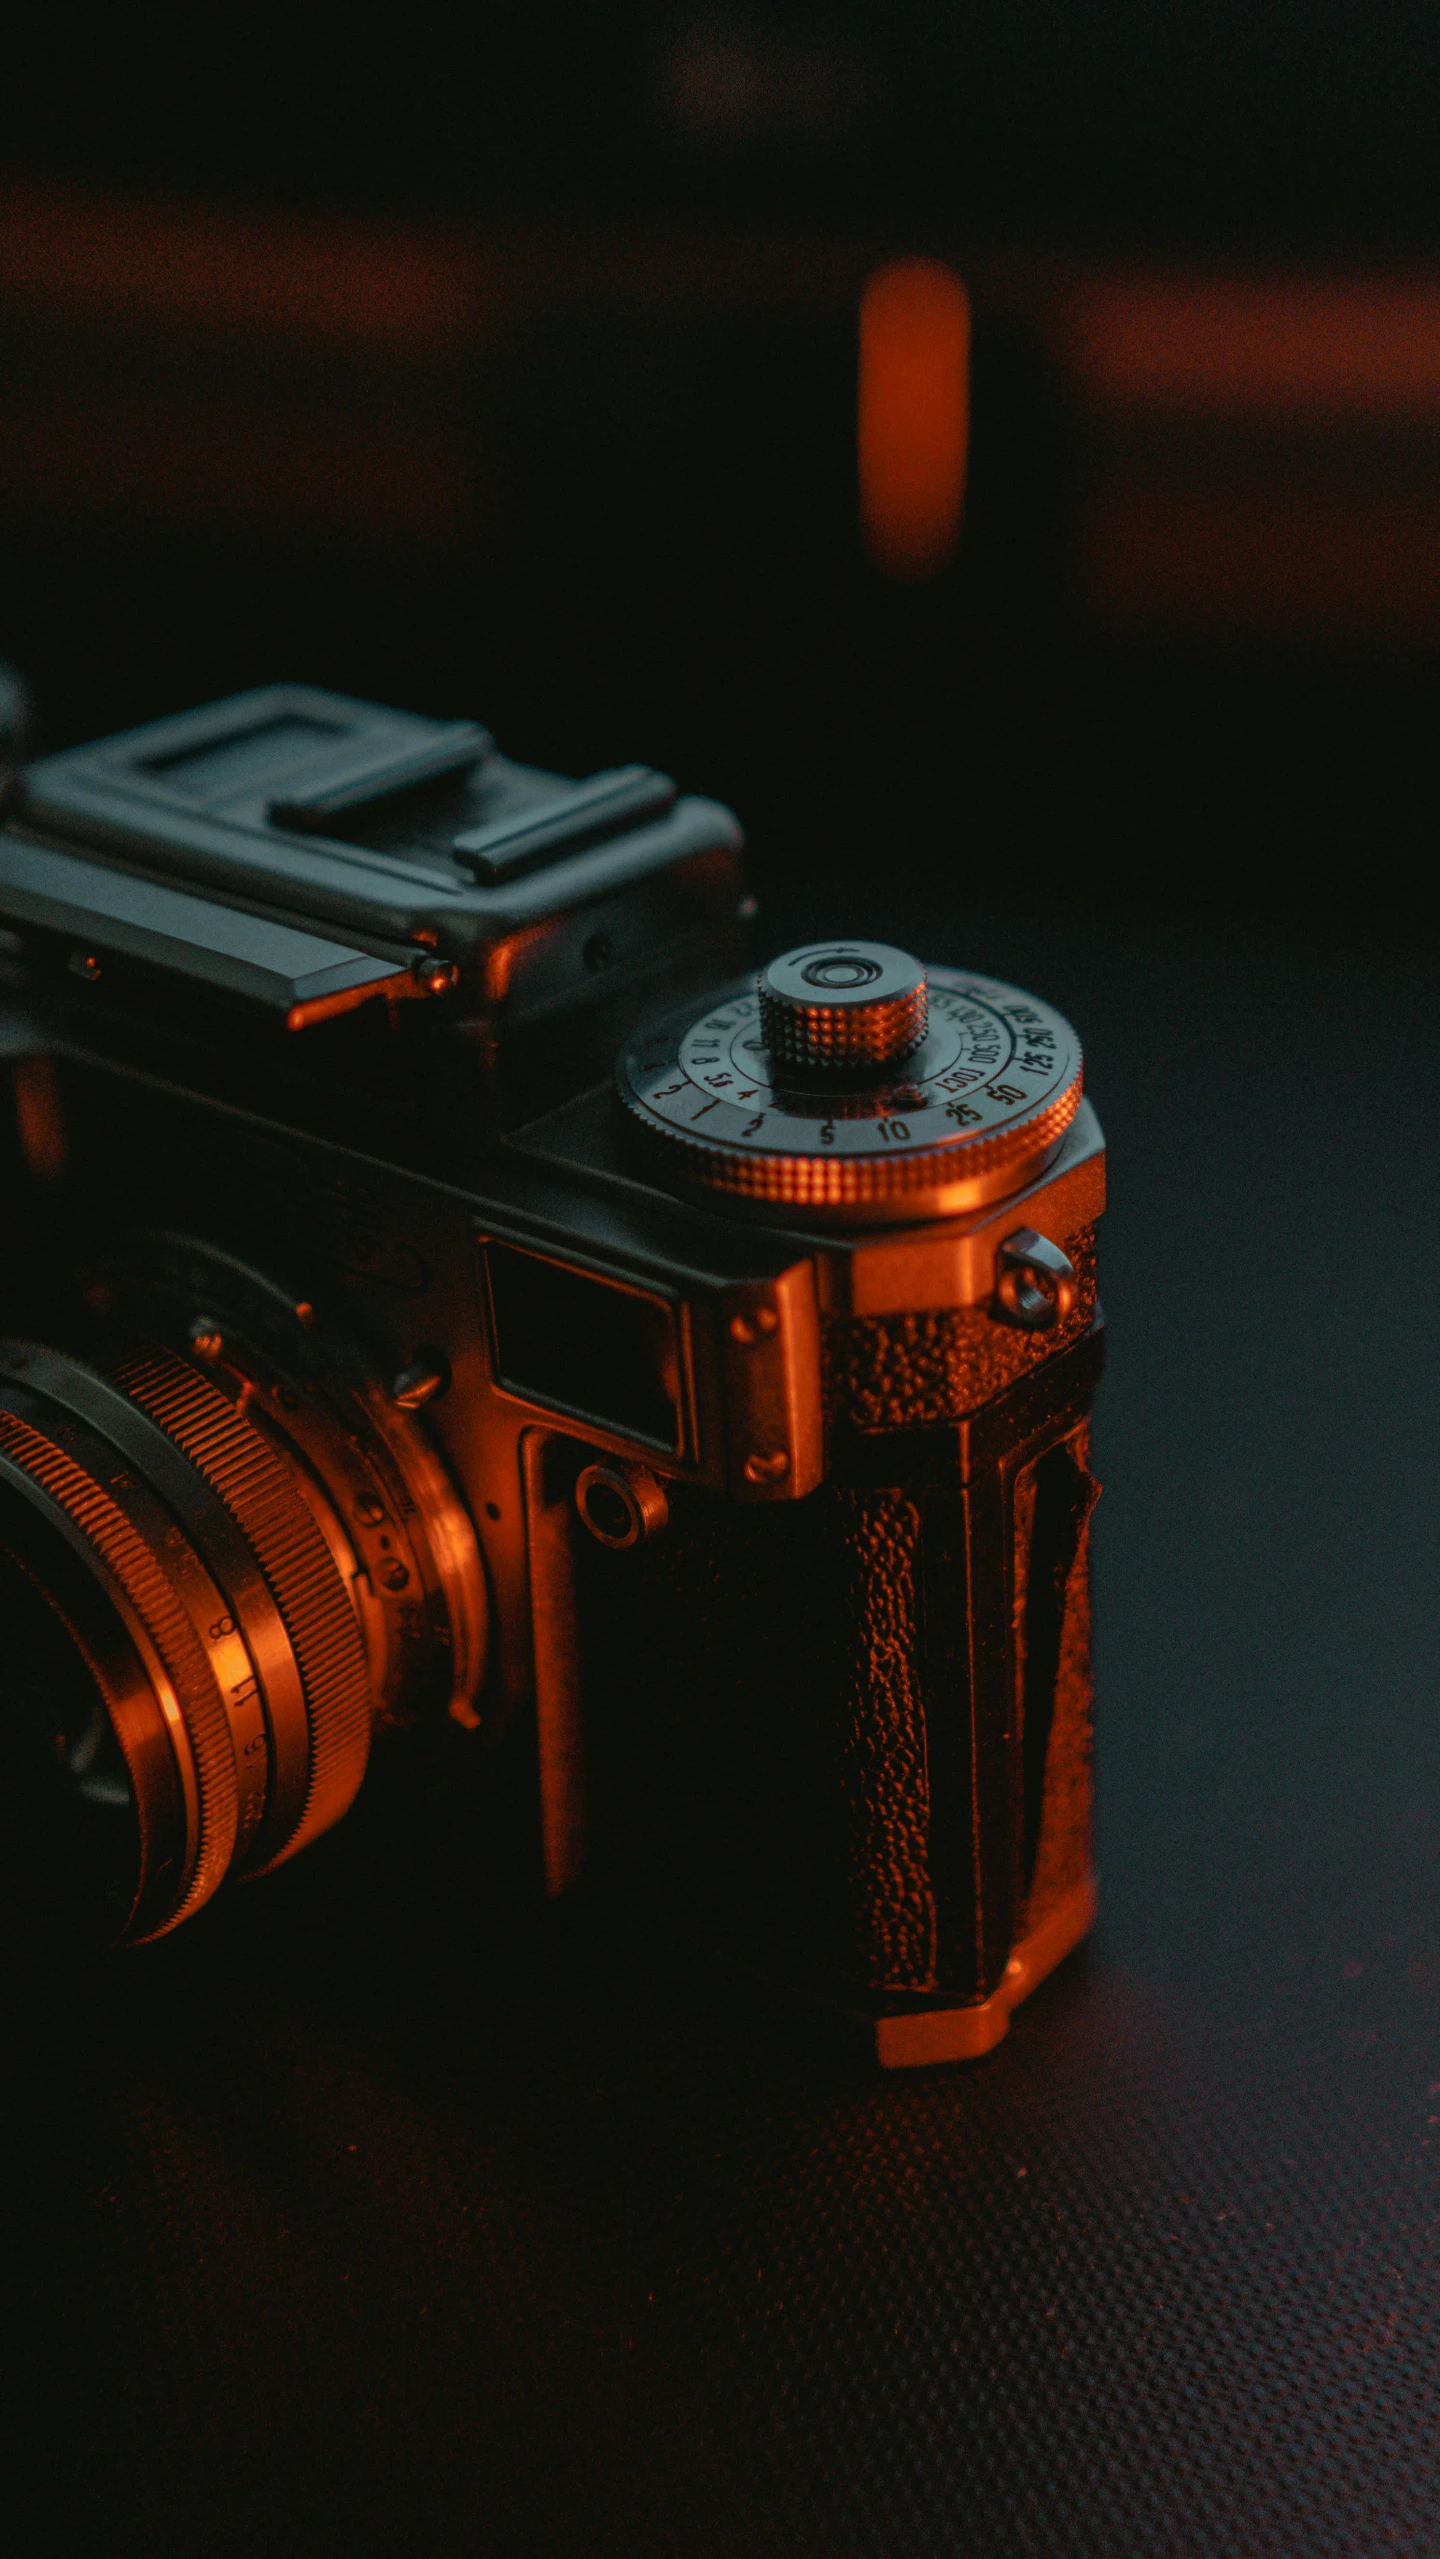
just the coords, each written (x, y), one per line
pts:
(402, 829)
(975, 1110)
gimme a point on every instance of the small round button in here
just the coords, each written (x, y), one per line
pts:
(842, 1005)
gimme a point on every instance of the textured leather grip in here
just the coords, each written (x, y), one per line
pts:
(848, 1737)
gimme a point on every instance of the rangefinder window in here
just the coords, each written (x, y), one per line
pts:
(587, 1346)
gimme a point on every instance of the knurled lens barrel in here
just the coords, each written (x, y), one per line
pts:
(179, 1595)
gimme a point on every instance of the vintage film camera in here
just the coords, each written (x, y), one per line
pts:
(438, 1275)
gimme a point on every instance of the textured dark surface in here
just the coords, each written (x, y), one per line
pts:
(795, 1734)
(884, 1786)
(755, 1684)
(884, 1371)
(341, 2221)
(1052, 1623)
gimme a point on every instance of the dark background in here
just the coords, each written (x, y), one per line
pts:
(506, 363)
(505, 358)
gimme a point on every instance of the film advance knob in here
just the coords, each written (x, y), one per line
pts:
(842, 1005)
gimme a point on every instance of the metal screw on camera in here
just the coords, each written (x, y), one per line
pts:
(754, 1327)
(420, 1381)
(1035, 1282)
(767, 1466)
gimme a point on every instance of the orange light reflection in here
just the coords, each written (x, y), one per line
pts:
(914, 415)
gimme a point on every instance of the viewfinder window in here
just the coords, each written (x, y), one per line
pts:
(588, 1346)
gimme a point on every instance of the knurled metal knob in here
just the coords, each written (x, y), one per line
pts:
(749, 1097)
(839, 1005)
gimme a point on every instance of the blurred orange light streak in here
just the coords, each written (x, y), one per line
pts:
(914, 415)
(1298, 345)
(327, 281)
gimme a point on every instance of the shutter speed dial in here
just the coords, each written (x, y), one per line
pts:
(848, 1082)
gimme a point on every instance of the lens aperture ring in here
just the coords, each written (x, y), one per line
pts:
(302, 1573)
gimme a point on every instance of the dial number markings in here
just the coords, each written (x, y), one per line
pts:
(990, 1057)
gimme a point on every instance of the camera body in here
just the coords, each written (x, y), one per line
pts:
(740, 1500)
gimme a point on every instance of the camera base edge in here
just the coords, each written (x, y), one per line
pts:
(917, 2038)
(930, 2035)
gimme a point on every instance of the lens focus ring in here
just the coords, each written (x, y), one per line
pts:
(300, 1568)
(157, 1480)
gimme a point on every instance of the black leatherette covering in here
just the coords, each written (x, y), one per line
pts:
(768, 1710)
(890, 1372)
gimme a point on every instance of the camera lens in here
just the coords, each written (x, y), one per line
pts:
(67, 1811)
(211, 1585)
